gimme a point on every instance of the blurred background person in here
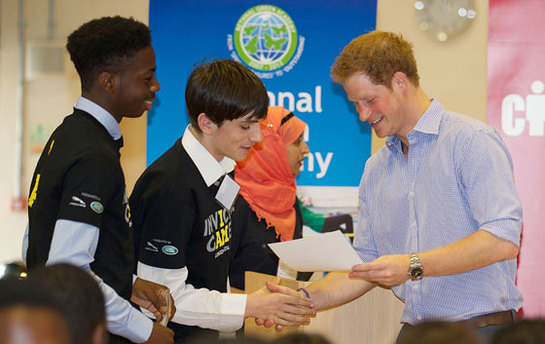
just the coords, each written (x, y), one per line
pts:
(15, 269)
(80, 299)
(525, 331)
(30, 315)
(302, 338)
(435, 332)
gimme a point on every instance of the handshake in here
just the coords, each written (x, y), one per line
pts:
(278, 305)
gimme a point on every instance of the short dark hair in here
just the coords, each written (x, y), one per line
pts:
(14, 292)
(302, 338)
(525, 331)
(378, 55)
(106, 44)
(224, 90)
(26, 306)
(78, 294)
(438, 331)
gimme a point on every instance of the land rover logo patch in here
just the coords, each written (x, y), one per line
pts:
(170, 250)
(97, 207)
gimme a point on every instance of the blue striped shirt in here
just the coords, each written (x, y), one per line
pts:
(457, 179)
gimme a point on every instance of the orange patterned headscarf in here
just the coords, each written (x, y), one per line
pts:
(265, 177)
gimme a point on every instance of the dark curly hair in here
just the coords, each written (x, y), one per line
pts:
(224, 90)
(378, 55)
(106, 44)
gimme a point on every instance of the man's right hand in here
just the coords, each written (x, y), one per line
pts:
(160, 335)
(274, 287)
(286, 309)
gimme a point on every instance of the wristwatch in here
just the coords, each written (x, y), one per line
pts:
(416, 270)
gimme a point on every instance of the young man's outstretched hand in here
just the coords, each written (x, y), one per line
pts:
(278, 305)
(274, 304)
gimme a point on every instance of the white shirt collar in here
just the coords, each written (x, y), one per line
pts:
(209, 168)
(101, 115)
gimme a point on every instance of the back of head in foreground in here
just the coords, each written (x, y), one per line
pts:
(80, 298)
(29, 315)
(432, 332)
(267, 175)
(302, 338)
(525, 331)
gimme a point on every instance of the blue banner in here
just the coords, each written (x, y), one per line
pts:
(291, 46)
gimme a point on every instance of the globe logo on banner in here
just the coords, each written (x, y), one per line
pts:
(266, 40)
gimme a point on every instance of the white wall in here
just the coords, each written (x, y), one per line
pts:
(453, 71)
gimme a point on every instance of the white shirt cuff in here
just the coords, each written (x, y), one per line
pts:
(234, 307)
(140, 327)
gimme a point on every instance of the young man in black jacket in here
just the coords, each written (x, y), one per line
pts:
(78, 210)
(183, 205)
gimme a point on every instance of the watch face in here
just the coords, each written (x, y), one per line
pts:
(416, 273)
(444, 18)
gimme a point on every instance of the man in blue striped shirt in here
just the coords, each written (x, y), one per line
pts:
(440, 218)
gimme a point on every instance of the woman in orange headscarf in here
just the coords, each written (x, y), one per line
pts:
(271, 212)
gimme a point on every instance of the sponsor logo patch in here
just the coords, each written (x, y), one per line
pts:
(88, 195)
(77, 202)
(151, 247)
(169, 250)
(97, 207)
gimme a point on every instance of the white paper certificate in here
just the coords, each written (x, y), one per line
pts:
(324, 252)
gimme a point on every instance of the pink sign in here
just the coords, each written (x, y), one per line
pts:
(516, 108)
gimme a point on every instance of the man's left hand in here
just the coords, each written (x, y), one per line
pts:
(386, 271)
